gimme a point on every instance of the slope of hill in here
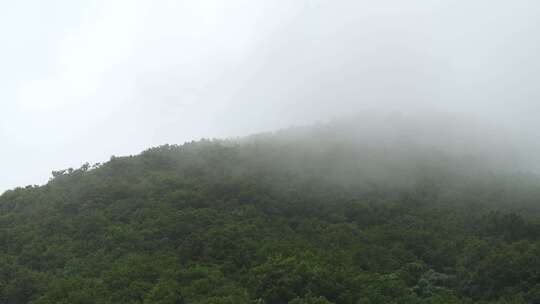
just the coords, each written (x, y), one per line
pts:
(298, 216)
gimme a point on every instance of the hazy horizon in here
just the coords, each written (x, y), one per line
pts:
(83, 81)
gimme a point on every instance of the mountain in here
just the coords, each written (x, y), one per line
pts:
(352, 211)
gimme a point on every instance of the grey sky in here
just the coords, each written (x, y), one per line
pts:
(83, 80)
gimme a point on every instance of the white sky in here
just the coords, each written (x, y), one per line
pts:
(83, 80)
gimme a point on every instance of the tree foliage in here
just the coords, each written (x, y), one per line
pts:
(272, 219)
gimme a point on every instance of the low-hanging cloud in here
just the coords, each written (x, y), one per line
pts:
(83, 81)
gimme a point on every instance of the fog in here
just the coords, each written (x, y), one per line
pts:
(81, 81)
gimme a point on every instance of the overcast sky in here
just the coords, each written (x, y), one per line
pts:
(83, 80)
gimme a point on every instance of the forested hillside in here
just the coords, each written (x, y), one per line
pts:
(297, 216)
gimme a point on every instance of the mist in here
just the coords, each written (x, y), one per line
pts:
(81, 82)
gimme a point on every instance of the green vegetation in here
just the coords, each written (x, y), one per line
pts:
(294, 217)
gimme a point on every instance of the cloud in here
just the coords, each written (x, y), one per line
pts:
(85, 55)
(81, 81)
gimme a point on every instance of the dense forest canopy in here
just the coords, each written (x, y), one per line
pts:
(353, 211)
